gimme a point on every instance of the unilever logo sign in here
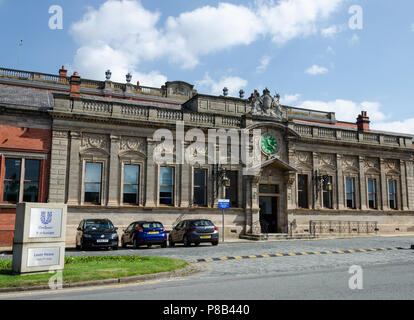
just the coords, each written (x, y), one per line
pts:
(45, 223)
(44, 219)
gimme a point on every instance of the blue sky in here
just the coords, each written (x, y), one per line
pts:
(303, 49)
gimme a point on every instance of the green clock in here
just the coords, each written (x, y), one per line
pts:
(269, 144)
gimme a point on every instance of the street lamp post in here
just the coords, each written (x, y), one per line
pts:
(224, 181)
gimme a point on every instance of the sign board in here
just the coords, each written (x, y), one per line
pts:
(39, 239)
(45, 223)
(224, 204)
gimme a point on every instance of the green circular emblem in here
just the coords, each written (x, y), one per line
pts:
(269, 144)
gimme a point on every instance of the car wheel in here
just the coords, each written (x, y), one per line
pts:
(172, 244)
(186, 242)
(197, 244)
(164, 245)
(215, 243)
(149, 246)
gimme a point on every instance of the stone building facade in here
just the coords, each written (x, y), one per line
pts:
(314, 174)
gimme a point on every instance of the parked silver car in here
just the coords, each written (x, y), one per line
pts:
(194, 231)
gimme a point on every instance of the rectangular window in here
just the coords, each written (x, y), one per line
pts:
(12, 180)
(372, 193)
(93, 181)
(31, 181)
(231, 191)
(200, 187)
(131, 184)
(303, 191)
(350, 193)
(167, 186)
(327, 193)
(392, 194)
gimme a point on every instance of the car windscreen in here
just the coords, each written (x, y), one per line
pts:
(202, 223)
(152, 225)
(98, 225)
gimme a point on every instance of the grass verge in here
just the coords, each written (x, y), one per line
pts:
(79, 269)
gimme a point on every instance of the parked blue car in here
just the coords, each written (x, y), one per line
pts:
(142, 233)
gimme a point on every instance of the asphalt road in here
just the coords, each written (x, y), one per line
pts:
(386, 274)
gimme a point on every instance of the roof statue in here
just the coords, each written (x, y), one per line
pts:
(265, 105)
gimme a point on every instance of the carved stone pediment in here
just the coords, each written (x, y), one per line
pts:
(350, 163)
(133, 144)
(372, 163)
(95, 141)
(327, 160)
(392, 165)
(303, 159)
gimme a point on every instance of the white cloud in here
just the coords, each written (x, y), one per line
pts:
(405, 126)
(354, 40)
(347, 110)
(289, 99)
(264, 63)
(316, 70)
(122, 34)
(330, 50)
(332, 31)
(214, 87)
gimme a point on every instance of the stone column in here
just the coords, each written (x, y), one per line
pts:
(316, 198)
(404, 197)
(58, 167)
(362, 184)
(186, 185)
(114, 173)
(410, 184)
(74, 169)
(384, 195)
(340, 183)
(255, 212)
(151, 176)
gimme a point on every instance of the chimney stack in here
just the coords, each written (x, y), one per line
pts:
(75, 82)
(363, 122)
(63, 73)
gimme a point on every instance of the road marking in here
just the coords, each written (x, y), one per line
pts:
(291, 254)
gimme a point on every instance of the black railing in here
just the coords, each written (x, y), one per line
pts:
(342, 227)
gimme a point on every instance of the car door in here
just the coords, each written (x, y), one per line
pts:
(79, 233)
(175, 232)
(181, 231)
(128, 233)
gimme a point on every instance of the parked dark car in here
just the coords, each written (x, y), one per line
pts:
(144, 233)
(194, 231)
(96, 233)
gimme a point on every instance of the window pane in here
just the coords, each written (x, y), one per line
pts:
(32, 168)
(31, 191)
(200, 177)
(130, 194)
(93, 193)
(11, 191)
(166, 176)
(303, 191)
(93, 172)
(13, 167)
(231, 192)
(131, 174)
(200, 187)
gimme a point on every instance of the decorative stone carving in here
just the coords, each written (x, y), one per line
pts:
(371, 163)
(326, 159)
(133, 144)
(265, 105)
(392, 165)
(349, 162)
(95, 141)
(303, 158)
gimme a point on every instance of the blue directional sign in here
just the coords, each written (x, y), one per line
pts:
(224, 204)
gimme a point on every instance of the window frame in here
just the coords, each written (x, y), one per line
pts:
(101, 183)
(139, 183)
(205, 187)
(174, 186)
(303, 192)
(354, 195)
(395, 194)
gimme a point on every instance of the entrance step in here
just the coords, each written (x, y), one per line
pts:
(277, 236)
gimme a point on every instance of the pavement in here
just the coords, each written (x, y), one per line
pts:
(387, 274)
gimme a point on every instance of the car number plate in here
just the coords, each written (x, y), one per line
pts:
(154, 232)
(205, 237)
(102, 241)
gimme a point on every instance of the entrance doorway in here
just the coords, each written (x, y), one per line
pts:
(268, 214)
